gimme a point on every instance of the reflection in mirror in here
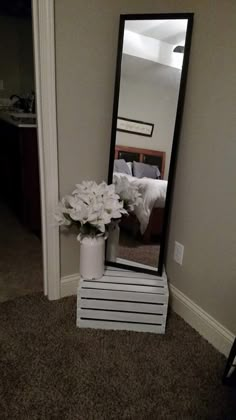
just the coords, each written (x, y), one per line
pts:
(148, 92)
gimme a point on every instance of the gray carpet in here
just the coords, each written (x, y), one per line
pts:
(20, 258)
(52, 370)
(135, 249)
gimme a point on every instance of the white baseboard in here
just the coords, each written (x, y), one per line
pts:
(214, 332)
(69, 285)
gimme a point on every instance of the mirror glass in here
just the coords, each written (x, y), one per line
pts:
(149, 69)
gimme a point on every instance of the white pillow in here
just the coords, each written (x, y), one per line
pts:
(144, 170)
(120, 165)
(130, 165)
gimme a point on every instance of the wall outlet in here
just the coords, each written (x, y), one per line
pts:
(178, 253)
(1, 85)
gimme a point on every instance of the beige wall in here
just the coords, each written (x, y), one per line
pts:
(16, 55)
(204, 204)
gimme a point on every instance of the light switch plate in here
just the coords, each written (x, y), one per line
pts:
(178, 253)
(1, 85)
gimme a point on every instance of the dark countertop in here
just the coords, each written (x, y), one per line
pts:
(21, 120)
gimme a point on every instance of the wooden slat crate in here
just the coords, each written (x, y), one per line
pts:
(123, 300)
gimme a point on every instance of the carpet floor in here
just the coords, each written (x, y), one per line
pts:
(133, 249)
(20, 258)
(52, 370)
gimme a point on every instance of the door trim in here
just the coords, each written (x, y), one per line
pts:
(45, 81)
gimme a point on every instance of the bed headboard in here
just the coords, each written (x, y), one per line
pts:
(152, 157)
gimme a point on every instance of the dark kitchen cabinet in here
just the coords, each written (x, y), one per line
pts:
(19, 173)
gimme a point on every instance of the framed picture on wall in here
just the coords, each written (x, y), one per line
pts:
(140, 128)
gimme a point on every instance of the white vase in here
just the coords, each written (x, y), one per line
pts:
(113, 241)
(92, 256)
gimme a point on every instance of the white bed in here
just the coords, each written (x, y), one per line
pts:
(153, 193)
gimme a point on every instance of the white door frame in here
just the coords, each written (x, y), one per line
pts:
(45, 81)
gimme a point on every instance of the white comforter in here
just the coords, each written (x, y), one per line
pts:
(153, 193)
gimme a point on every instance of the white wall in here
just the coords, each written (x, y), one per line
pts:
(149, 92)
(16, 54)
(152, 49)
(204, 202)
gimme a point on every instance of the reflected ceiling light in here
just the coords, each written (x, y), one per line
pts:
(179, 49)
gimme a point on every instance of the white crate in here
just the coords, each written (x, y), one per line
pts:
(123, 300)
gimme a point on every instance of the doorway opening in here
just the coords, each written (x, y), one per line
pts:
(41, 13)
(21, 266)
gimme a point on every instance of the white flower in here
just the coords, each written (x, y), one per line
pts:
(61, 211)
(128, 192)
(91, 207)
(79, 212)
(61, 219)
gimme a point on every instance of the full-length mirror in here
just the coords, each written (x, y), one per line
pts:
(152, 61)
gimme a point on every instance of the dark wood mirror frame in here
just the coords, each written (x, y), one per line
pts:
(178, 120)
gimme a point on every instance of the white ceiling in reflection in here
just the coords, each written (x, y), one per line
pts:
(155, 40)
(171, 31)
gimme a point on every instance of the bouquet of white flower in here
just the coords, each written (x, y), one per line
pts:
(91, 207)
(128, 192)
